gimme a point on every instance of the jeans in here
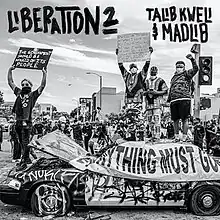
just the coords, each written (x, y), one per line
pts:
(24, 133)
(16, 149)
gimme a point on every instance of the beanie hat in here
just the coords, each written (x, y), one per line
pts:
(132, 65)
(180, 62)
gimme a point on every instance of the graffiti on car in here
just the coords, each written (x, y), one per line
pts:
(125, 191)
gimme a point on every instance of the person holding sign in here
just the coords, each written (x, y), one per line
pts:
(134, 81)
(25, 101)
(180, 95)
(155, 89)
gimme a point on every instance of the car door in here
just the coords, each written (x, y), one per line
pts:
(103, 190)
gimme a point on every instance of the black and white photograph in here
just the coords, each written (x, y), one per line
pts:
(109, 109)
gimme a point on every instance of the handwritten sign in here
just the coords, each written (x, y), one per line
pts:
(133, 47)
(32, 58)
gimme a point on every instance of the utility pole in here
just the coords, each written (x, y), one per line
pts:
(196, 49)
(100, 88)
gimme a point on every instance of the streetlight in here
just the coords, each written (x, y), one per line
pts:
(100, 86)
(77, 110)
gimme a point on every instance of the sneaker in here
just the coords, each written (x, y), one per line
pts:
(21, 167)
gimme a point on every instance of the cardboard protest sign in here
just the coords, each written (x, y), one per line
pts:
(159, 162)
(133, 47)
(32, 58)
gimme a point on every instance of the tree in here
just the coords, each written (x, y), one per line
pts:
(1, 98)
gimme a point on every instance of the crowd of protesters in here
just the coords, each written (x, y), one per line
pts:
(126, 126)
(135, 122)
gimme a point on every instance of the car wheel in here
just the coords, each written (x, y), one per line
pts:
(206, 200)
(50, 199)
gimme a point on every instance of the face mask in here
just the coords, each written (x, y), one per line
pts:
(26, 90)
(153, 77)
(180, 70)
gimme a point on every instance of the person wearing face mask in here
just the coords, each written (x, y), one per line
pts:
(155, 89)
(134, 81)
(25, 101)
(180, 95)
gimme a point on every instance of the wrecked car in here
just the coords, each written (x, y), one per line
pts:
(129, 174)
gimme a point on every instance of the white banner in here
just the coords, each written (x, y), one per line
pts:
(171, 162)
(133, 47)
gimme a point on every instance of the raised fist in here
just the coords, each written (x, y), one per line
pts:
(189, 56)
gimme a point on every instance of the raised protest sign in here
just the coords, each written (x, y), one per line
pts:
(166, 162)
(133, 47)
(32, 58)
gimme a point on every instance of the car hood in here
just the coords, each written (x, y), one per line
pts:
(59, 145)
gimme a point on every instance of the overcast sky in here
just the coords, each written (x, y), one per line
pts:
(74, 55)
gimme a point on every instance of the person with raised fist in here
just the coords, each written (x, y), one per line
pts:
(180, 95)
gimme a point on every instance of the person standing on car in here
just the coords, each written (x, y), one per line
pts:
(134, 81)
(180, 96)
(155, 89)
(23, 106)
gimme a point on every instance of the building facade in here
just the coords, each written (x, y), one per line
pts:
(111, 100)
(213, 111)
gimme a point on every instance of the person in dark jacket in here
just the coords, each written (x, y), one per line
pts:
(199, 133)
(134, 80)
(77, 133)
(180, 95)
